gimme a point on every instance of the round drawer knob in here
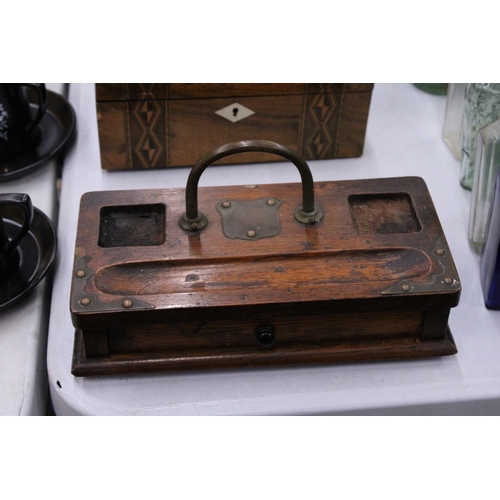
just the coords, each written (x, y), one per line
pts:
(265, 336)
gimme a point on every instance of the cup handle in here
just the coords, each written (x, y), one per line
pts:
(41, 92)
(24, 202)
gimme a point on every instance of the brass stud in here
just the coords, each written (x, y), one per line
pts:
(226, 204)
(271, 202)
(251, 233)
(85, 301)
(80, 273)
(127, 303)
(439, 252)
(405, 288)
(448, 281)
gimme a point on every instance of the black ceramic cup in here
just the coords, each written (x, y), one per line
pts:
(10, 242)
(18, 125)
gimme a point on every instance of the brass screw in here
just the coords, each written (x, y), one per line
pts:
(448, 281)
(127, 303)
(80, 273)
(251, 233)
(226, 204)
(194, 227)
(85, 301)
(271, 202)
(405, 288)
(439, 251)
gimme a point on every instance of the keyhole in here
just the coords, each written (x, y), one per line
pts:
(235, 111)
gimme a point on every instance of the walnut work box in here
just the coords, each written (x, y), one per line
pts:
(261, 275)
(158, 125)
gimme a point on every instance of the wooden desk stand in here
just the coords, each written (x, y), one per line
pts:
(368, 276)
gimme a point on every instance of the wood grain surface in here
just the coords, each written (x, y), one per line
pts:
(171, 125)
(376, 273)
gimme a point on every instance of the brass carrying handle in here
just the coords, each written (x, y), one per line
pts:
(307, 213)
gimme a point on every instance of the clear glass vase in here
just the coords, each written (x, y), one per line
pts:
(482, 107)
(486, 169)
(453, 118)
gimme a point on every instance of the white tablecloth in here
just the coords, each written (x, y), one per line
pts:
(403, 138)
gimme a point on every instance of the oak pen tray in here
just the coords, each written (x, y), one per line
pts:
(261, 276)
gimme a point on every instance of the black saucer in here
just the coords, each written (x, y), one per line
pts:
(35, 255)
(55, 129)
